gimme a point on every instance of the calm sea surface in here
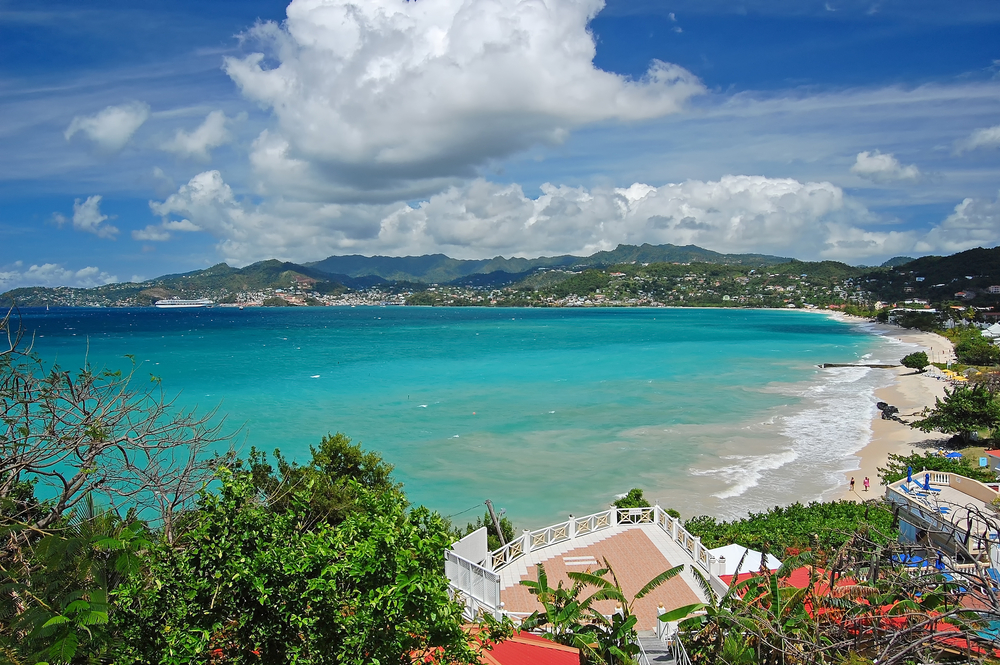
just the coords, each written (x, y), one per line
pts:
(544, 411)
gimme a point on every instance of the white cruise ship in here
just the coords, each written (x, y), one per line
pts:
(175, 303)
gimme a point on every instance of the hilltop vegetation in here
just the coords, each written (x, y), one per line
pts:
(630, 275)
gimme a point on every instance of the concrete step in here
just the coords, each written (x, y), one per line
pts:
(656, 650)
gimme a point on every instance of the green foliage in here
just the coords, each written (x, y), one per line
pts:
(492, 539)
(965, 410)
(422, 298)
(977, 350)
(571, 620)
(925, 321)
(895, 468)
(795, 527)
(329, 482)
(276, 301)
(587, 282)
(917, 361)
(633, 499)
(256, 583)
(57, 601)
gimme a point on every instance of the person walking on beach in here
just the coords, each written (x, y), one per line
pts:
(852, 483)
(867, 483)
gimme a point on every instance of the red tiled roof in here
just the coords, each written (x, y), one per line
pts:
(528, 649)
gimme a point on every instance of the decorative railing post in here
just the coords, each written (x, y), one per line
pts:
(673, 528)
(661, 626)
(614, 516)
(526, 540)
(697, 548)
(571, 530)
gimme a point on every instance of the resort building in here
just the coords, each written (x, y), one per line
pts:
(949, 515)
(637, 543)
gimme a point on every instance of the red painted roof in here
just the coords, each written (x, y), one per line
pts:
(528, 649)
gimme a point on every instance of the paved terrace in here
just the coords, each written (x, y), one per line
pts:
(638, 543)
(637, 553)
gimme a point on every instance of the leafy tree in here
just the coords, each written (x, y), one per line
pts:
(917, 361)
(977, 350)
(255, 583)
(895, 468)
(492, 539)
(924, 321)
(336, 471)
(965, 410)
(56, 597)
(633, 499)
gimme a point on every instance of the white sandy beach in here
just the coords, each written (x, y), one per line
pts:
(910, 393)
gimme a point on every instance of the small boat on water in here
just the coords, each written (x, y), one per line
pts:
(177, 303)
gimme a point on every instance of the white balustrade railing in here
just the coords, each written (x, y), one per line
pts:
(550, 535)
(575, 527)
(506, 554)
(591, 523)
(691, 544)
(479, 588)
(636, 515)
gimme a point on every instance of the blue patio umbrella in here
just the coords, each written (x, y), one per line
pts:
(954, 455)
(927, 481)
(909, 475)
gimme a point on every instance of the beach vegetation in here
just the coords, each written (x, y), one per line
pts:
(917, 361)
(965, 411)
(977, 350)
(817, 526)
(633, 499)
(897, 465)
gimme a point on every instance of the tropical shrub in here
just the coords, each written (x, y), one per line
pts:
(974, 349)
(796, 527)
(249, 583)
(633, 499)
(917, 361)
(964, 411)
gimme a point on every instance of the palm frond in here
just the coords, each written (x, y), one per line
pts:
(659, 580)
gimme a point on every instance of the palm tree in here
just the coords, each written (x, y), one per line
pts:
(576, 623)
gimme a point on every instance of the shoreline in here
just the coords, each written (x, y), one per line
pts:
(910, 392)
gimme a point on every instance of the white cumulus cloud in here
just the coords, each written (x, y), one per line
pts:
(111, 128)
(974, 223)
(883, 167)
(161, 232)
(198, 144)
(734, 214)
(986, 137)
(374, 93)
(87, 216)
(51, 274)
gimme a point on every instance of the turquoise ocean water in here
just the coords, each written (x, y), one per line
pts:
(544, 411)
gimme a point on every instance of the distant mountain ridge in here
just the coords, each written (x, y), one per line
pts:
(438, 268)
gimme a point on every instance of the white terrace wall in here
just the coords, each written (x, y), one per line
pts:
(574, 527)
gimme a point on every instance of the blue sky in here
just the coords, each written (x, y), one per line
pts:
(144, 139)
